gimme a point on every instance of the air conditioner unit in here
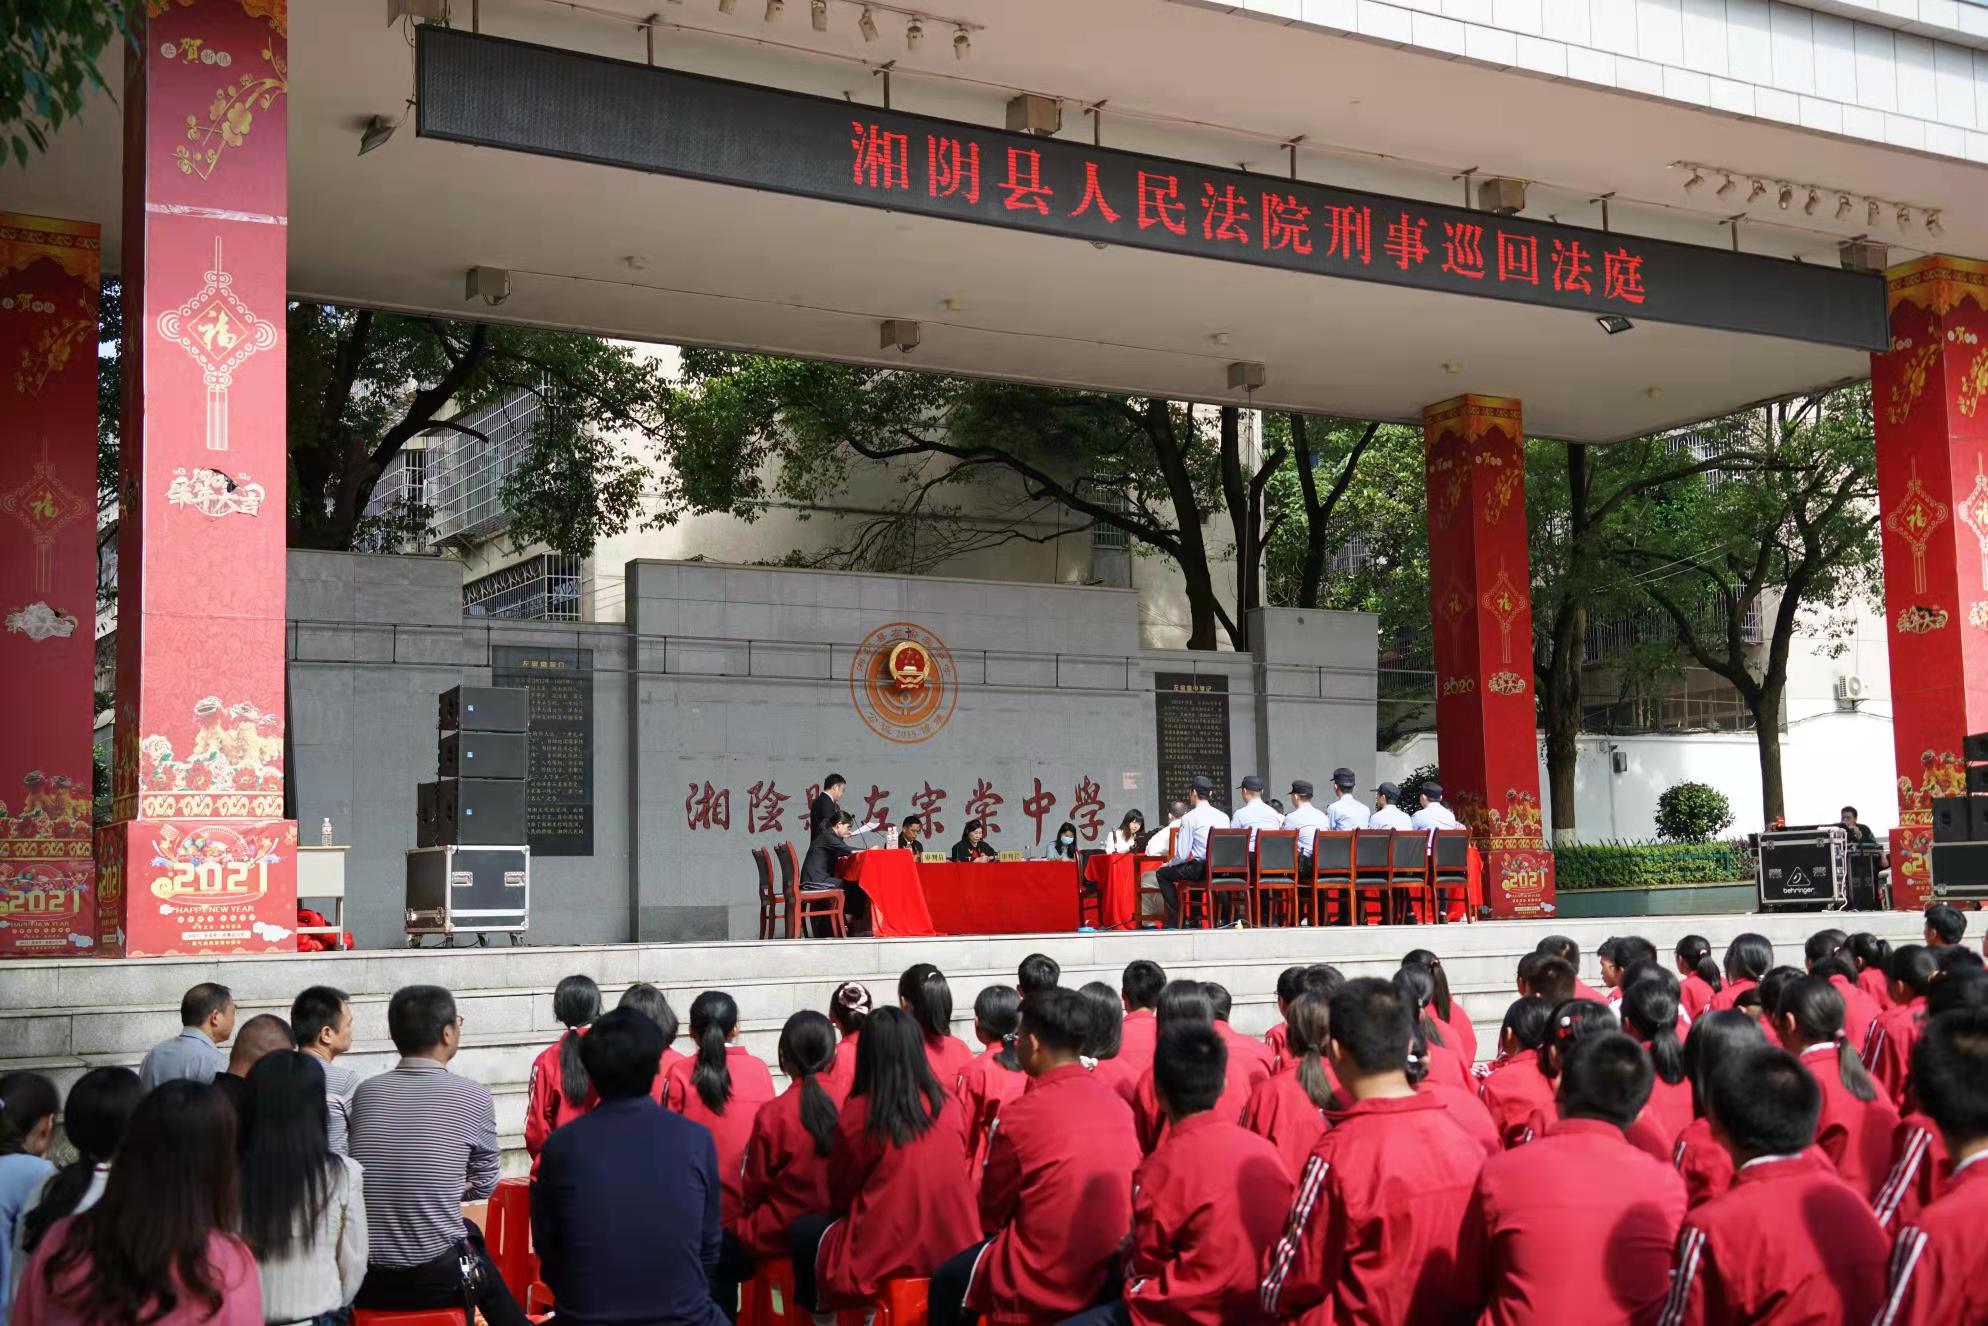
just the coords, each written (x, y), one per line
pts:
(1850, 690)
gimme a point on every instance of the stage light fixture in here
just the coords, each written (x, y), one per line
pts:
(1904, 217)
(1842, 206)
(1933, 226)
(1815, 201)
(1725, 188)
(818, 14)
(1756, 193)
(377, 131)
(1873, 213)
(1695, 180)
(773, 9)
(1786, 196)
(1614, 323)
(867, 25)
(962, 45)
(914, 32)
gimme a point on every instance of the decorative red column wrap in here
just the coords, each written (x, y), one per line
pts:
(48, 581)
(1480, 585)
(200, 858)
(1929, 394)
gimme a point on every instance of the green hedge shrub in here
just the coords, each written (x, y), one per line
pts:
(1692, 813)
(1634, 865)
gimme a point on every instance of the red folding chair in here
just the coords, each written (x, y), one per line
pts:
(425, 1317)
(507, 1232)
(902, 1303)
(1373, 873)
(1332, 874)
(1449, 870)
(1410, 890)
(1277, 880)
(1229, 877)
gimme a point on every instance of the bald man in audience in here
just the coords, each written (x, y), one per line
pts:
(265, 1033)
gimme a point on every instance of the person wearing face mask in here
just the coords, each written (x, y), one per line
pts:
(1064, 848)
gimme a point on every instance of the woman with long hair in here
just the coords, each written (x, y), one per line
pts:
(1858, 1121)
(28, 1102)
(651, 1003)
(1707, 1167)
(899, 1202)
(973, 845)
(1417, 985)
(1700, 977)
(786, 1159)
(848, 1008)
(157, 1249)
(94, 1118)
(1447, 1011)
(923, 993)
(723, 1088)
(1517, 1087)
(559, 1091)
(1649, 1013)
(303, 1210)
(1129, 836)
(1873, 958)
(1288, 1109)
(1106, 1038)
(1063, 847)
(994, 1076)
(1748, 958)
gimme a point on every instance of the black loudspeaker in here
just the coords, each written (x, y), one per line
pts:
(485, 709)
(1977, 779)
(1960, 870)
(1960, 819)
(427, 825)
(482, 755)
(480, 812)
(1974, 746)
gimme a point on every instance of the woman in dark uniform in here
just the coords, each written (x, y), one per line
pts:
(973, 845)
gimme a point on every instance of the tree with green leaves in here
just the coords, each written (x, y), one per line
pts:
(1791, 540)
(52, 48)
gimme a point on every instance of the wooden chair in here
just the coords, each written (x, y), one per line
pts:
(1332, 874)
(1090, 897)
(769, 897)
(1142, 891)
(1229, 878)
(1277, 883)
(804, 905)
(1373, 853)
(1408, 862)
(1449, 869)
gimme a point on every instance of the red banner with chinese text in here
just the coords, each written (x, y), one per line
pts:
(48, 581)
(1929, 394)
(197, 778)
(1481, 591)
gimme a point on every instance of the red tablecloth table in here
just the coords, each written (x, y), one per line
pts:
(889, 877)
(1117, 876)
(1001, 897)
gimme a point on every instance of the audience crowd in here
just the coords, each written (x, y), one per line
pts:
(1702, 1140)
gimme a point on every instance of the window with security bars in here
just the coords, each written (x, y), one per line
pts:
(542, 588)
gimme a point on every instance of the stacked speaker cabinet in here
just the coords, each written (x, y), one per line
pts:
(470, 871)
(1960, 831)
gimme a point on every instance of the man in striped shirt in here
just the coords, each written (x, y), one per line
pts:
(321, 1020)
(428, 1142)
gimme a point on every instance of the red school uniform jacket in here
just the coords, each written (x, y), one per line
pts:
(1667, 1113)
(785, 1176)
(843, 1071)
(1788, 1245)
(659, 1089)
(982, 1087)
(948, 1056)
(900, 1210)
(1873, 983)
(1704, 1165)
(1278, 1041)
(1458, 1032)
(1856, 1135)
(1860, 1012)
(1921, 1169)
(1514, 1092)
(1695, 994)
(1055, 1198)
(1282, 1114)
(1729, 994)
(1254, 1053)
(1375, 1236)
(1206, 1207)
(752, 1087)
(546, 1106)
(1138, 1036)
(1467, 1108)
(1888, 1054)
(1582, 990)
(1578, 1227)
(1936, 1275)
(1152, 1121)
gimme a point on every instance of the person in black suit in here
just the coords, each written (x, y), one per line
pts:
(826, 805)
(827, 852)
(973, 844)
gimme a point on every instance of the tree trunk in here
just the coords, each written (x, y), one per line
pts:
(1311, 583)
(1563, 673)
(1766, 709)
(1242, 525)
(1204, 610)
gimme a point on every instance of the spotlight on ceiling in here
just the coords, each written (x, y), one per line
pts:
(1614, 323)
(377, 131)
(867, 25)
(1757, 192)
(1873, 213)
(774, 8)
(1725, 188)
(1933, 226)
(962, 45)
(1815, 201)
(818, 14)
(1696, 179)
(914, 32)
(1842, 206)
(1904, 217)
(1786, 196)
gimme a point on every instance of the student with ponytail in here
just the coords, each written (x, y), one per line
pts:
(651, 1003)
(1872, 957)
(1572, 1022)
(1288, 1110)
(559, 1091)
(1858, 1121)
(1748, 958)
(1517, 1087)
(848, 1007)
(722, 1087)
(1444, 1063)
(786, 1159)
(1706, 1166)
(996, 1075)
(922, 992)
(1888, 1053)
(1103, 1046)
(1700, 975)
(1458, 1033)
(1649, 1013)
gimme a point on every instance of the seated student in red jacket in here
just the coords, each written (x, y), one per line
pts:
(1288, 1109)
(1569, 952)
(1703, 1164)
(1748, 958)
(1517, 1087)
(1574, 1021)
(1256, 1057)
(559, 1092)
(1446, 1067)
(1936, 1277)
(1205, 1206)
(1872, 956)
(650, 1002)
(1789, 1242)
(848, 1008)
(1140, 989)
(1458, 1033)
(1103, 1047)
(898, 1200)
(1056, 1193)
(1186, 1001)
(922, 992)
(722, 1088)
(1827, 954)
(996, 1075)
(1857, 1123)
(1375, 1229)
(1888, 1053)
(1319, 978)
(786, 1159)
(1702, 979)
(1579, 1225)
(1921, 1166)
(1649, 1014)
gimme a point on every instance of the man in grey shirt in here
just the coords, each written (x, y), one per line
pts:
(207, 1020)
(321, 1017)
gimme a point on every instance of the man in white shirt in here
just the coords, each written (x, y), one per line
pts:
(1388, 813)
(1160, 843)
(1348, 812)
(1434, 814)
(1190, 853)
(1306, 818)
(1255, 813)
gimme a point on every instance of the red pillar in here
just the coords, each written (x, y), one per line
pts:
(1480, 586)
(1929, 394)
(48, 581)
(199, 858)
